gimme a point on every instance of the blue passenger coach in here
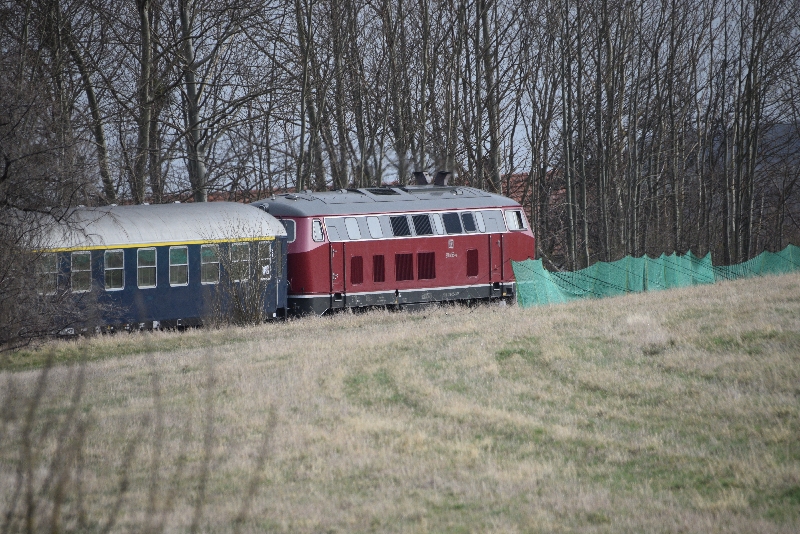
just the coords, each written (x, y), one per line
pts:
(166, 265)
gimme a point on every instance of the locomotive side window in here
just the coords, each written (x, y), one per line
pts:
(264, 259)
(47, 273)
(400, 226)
(515, 220)
(479, 221)
(81, 271)
(422, 224)
(426, 265)
(493, 220)
(357, 270)
(378, 268)
(438, 227)
(316, 230)
(452, 223)
(472, 262)
(469, 221)
(178, 266)
(404, 267)
(291, 229)
(146, 267)
(352, 228)
(114, 272)
(374, 225)
(209, 264)
(240, 261)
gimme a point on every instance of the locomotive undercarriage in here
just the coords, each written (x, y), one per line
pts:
(398, 299)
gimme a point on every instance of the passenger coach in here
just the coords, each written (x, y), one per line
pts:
(166, 265)
(400, 246)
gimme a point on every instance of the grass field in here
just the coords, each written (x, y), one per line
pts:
(676, 411)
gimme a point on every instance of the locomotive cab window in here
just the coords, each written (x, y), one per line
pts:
(146, 267)
(209, 264)
(240, 262)
(452, 223)
(178, 266)
(81, 271)
(316, 230)
(114, 272)
(515, 220)
(291, 229)
(47, 273)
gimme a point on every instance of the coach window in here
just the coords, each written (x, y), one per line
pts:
(240, 261)
(469, 221)
(209, 264)
(81, 272)
(479, 221)
(452, 223)
(146, 267)
(114, 272)
(47, 273)
(264, 259)
(514, 220)
(316, 230)
(378, 268)
(291, 229)
(178, 266)
(374, 225)
(352, 228)
(422, 224)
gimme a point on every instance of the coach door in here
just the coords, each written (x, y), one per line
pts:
(337, 274)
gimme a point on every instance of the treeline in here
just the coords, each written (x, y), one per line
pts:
(624, 126)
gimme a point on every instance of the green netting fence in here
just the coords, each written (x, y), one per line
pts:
(536, 285)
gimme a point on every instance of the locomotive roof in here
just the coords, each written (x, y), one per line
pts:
(161, 224)
(382, 200)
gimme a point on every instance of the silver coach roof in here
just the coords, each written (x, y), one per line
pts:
(159, 224)
(382, 200)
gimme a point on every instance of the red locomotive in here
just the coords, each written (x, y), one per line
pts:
(399, 246)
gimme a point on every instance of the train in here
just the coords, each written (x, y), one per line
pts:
(165, 265)
(176, 265)
(399, 246)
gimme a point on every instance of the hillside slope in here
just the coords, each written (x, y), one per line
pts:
(670, 411)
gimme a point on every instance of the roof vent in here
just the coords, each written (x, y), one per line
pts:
(422, 178)
(442, 177)
(382, 191)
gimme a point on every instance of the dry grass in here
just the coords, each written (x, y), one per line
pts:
(660, 412)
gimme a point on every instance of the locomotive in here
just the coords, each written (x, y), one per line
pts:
(303, 253)
(399, 246)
